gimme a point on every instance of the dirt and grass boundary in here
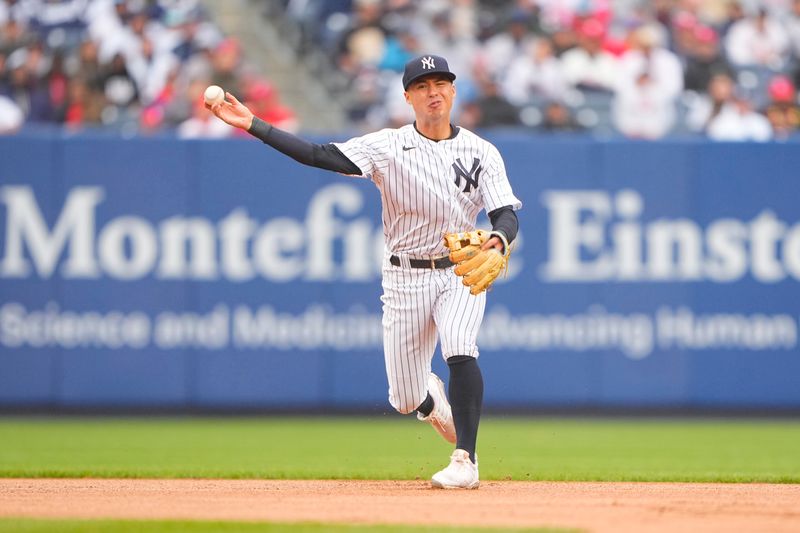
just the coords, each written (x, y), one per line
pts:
(589, 506)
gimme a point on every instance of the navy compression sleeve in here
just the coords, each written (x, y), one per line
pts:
(324, 156)
(504, 220)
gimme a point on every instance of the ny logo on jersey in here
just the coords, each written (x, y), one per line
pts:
(427, 63)
(471, 176)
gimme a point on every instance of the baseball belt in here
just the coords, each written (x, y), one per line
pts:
(434, 262)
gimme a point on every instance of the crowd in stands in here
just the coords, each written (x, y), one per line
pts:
(130, 66)
(724, 69)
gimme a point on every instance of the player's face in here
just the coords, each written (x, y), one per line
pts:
(431, 97)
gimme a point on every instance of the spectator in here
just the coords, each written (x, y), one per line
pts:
(501, 49)
(362, 44)
(146, 49)
(650, 81)
(793, 29)
(705, 60)
(14, 35)
(57, 81)
(558, 118)
(683, 24)
(563, 39)
(317, 19)
(782, 111)
(25, 88)
(38, 60)
(735, 14)
(83, 106)
(150, 69)
(724, 115)
(172, 106)
(161, 109)
(117, 83)
(188, 34)
(644, 109)
(648, 57)
(11, 116)
(492, 109)
(588, 66)
(226, 63)
(704, 107)
(105, 24)
(262, 99)
(86, 64)
(739, 123)
(758, 40)
(536, 73)
(59, 23)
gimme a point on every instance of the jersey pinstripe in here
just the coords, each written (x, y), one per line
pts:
(429, 188)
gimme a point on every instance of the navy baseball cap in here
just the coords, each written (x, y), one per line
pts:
(424, 66)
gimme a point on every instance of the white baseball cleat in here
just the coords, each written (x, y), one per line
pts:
(441, 418)
(461, 473)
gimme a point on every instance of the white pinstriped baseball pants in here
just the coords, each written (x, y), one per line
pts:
(418, 303)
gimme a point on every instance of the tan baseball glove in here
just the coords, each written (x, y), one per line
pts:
(478, 268)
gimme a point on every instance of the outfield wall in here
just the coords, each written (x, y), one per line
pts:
(163, 273)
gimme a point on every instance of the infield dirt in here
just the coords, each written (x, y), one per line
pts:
(589, 506)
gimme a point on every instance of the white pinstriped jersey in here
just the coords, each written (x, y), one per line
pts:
(429, 188)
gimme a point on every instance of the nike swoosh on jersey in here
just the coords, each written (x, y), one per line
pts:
(407, 148)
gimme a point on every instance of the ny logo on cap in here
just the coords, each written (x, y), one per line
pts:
(427, 63)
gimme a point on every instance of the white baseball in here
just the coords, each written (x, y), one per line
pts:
(214, 95)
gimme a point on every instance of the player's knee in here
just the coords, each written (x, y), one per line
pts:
(405, 406)
(459, 359)
(405, 409)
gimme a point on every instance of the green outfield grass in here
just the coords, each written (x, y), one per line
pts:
(395, 447)
(172, 526)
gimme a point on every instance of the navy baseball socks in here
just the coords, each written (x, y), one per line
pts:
(426, 406)
(466, 398)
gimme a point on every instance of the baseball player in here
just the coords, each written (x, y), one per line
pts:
(433, 178)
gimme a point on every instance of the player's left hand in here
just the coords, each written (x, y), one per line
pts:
(495, 243)
(479, 256)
